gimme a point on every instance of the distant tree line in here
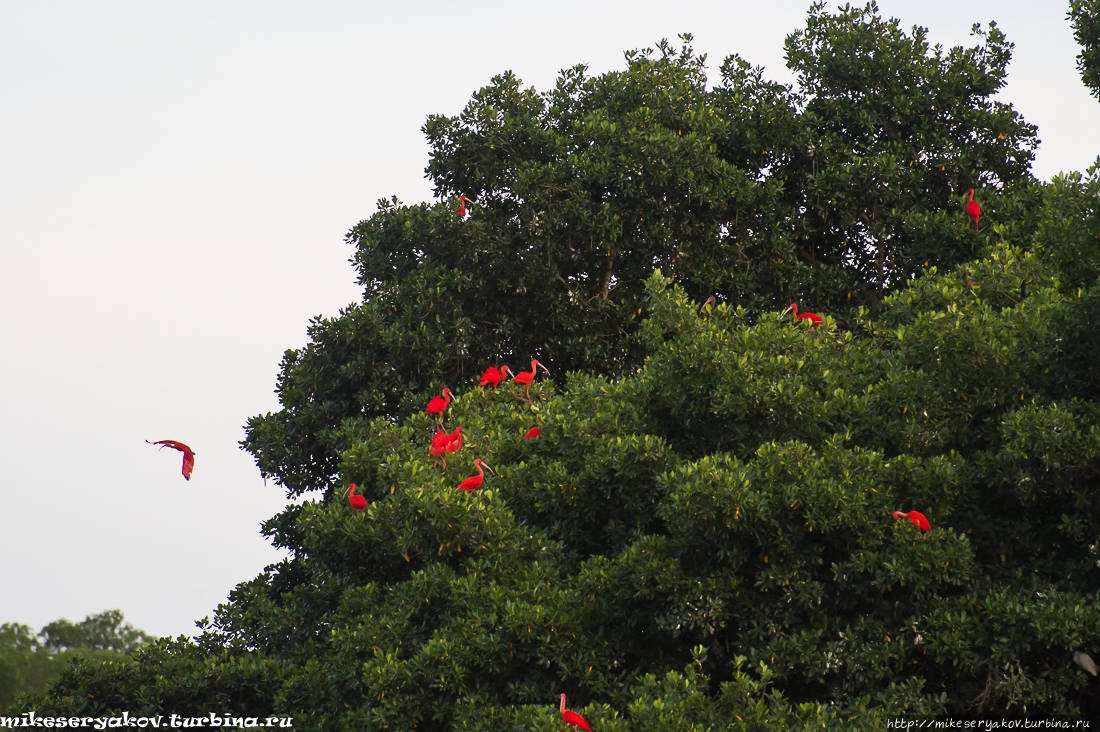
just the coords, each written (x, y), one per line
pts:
(29, 661)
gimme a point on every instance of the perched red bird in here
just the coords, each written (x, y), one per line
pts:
(188, 454)
(813, 318)
(973, 210)
(533, 432)
(356, 501)
(454, 441)
(493, 376)
(462, 201)
(572, 718)
(917, 518)
(442, 442)
(437, 405)
(526, 377)
(439, 446)
(473, 483)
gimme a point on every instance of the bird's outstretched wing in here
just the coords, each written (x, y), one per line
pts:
(188, 454)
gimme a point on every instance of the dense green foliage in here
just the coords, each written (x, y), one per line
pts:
(702, 536)
(833, 194)
(1085, 15)
(29, 661)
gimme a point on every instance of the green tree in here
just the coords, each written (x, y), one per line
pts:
(702, 536)
(29, 662)
(1085, 16)
(749, 192)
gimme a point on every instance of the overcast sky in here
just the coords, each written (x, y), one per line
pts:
(176, 179)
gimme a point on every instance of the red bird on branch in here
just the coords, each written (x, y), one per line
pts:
(356, 501)
(916, 517)
(188, 454)
(973, 210)
(439, 446)
(813, 318)
(493, 376)
(572, 718)
(473, 483)
(437, 405)
(462, 201)
(443, 442)
(526, 377)
(533, 432)
(454, 441)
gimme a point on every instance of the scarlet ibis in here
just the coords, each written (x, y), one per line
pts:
(813, 318)
(916, 517)
(526, 377)
(572, 718)
(1084, 660)
(437, 405)
(439, 446)
(188, 454)
(356, 501)
(454, 441)
(442, 442)
(492, 377)
(533, 432)
(462, 201)
(473, 483)
(973, 210)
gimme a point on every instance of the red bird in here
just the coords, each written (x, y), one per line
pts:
(533, 432)
(357, 502)
(462, 201)
(442, 442)
(492, 377)
(572, 718)
(473, 483)
(188, 454)
(973, 210)
(526, 377)
(813, 318)
(454, 441)
(439, 446)
(437, 405)
(917, 518)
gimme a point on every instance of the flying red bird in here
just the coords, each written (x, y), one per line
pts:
(188, 454)
(572, 718)
(533, 432)
(493, 376)
(813, 318)
(356, 501)
(917, 518)
(526, 377)
(462, 201)
(437, 405)
(973, 210)
(473, 483)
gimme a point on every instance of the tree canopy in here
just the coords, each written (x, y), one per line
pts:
(1085, 15)
(702, 536)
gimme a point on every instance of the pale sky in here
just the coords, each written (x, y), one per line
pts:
(176, 180)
